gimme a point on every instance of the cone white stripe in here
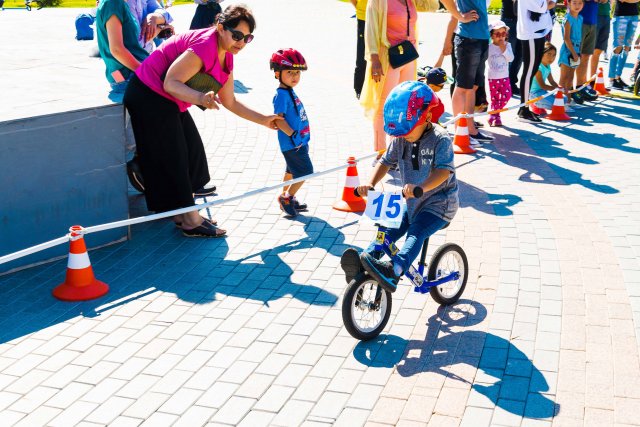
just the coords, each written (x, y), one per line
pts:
(462, 131)
(352, 182)
(78, 261)
(558, 102)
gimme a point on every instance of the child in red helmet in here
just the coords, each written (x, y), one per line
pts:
(293, 134)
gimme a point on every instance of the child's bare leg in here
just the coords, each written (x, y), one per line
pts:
(287, 177)
(293, 188)
(565, 82)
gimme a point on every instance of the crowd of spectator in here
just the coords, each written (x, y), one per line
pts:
(158, 75)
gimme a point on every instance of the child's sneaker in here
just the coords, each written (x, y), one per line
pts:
(350, 263)
(286, 204)
(536, 110)
(577, 98)
(382, 271)
(300, 207)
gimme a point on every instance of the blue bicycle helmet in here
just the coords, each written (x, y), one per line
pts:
(407, 106)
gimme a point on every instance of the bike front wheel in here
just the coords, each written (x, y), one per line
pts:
(448, 258)
(366, 307)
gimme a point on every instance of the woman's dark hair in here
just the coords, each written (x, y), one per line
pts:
(235, 13)
(548, 47)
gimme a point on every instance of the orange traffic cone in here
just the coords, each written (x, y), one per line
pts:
(350, 202)
(538, 111)
(461, 141)
(80, 284)
(599, 86)
(557, 112)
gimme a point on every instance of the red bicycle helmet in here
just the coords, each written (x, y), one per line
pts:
(287, 59)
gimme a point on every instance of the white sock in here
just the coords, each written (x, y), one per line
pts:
(397, 269)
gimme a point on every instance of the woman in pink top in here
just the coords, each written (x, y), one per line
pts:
(171, 154)
(388, 23)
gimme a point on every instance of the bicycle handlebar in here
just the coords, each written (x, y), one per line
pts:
(417, 192)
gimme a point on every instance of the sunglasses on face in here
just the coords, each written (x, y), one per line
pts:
(238, 35)
(500, 34)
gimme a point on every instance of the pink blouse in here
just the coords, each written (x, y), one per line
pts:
(203, 43)
(397, 21)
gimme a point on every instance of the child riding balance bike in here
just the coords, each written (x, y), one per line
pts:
(424, 155)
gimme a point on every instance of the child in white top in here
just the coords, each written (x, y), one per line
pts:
(500, 54)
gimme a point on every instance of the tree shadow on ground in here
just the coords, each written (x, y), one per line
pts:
(485, 202)
(160, 259)
(536, 169)
(509, 379)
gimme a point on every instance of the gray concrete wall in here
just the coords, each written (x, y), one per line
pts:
(60, 170)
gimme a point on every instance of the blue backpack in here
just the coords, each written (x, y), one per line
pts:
(84, 31)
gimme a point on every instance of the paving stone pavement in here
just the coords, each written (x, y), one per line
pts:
(248, 330)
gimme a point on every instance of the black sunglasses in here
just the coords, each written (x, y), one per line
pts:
(238, 35)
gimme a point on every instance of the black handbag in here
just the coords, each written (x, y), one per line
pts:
(404, 52)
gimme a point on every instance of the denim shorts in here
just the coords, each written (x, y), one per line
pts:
(117, 91)
(298, 161)
(471, 56)
(602, 36)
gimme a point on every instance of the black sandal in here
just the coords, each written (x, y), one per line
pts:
(178, 224)
(206, 229)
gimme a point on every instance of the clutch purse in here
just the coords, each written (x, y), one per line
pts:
(402, 53)
(203, 82)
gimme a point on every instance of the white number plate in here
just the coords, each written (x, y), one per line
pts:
(386, 208)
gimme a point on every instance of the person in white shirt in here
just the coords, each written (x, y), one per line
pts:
(534, 23)
(500, 55)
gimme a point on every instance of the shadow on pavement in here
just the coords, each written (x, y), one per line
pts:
(239, 87)
(491, 365)
(489, 203)
(160, 259)
(539, 171)
(603, 140)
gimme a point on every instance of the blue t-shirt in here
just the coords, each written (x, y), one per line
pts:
(589, 12)
(475, 29)
(545, 70)
(287, 103)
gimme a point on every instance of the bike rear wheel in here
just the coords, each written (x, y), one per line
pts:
(366, 308)
(447, 259)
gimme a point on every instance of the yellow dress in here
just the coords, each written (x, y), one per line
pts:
(375, 41)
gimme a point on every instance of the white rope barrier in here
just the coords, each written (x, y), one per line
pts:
(513, 107)
(34, 249)
(132, 221)
(124, 223)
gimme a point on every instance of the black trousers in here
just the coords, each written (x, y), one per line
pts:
(531, 57)
(170, 151)
(516, 64)
(361, 63)
(205, 15)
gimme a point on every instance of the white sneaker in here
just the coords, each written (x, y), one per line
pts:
(474, 142)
